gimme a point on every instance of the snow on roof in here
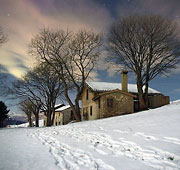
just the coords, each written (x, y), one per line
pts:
(63, 108)
(59, 105)
(56, 107)
(106, 86)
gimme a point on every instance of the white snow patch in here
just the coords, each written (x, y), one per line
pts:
(146, 140)
(63, 108)
(105, 86)
(25, 125)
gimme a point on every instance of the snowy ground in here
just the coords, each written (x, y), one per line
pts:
(142, 141)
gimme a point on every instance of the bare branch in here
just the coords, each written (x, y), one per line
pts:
(72, 56)
(148, 45)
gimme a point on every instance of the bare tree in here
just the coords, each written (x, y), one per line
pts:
(26, 107)
(26, 95)
(36, 106)
(72, 56)
(42, 87)
(31, 107)
(147, 45)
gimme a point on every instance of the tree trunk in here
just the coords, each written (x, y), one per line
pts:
(78, 109)
(30, 120)
(37, 118)
(53, 115)
(75, 109)
(142, 105)
(49, 117)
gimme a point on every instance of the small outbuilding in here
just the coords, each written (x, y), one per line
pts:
(63, 115)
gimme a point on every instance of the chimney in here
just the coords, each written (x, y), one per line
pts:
(124, 81)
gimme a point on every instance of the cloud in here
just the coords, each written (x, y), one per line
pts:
(176, 70)
(177, 90)
(93, 76)
(24, 18)
(21, 19)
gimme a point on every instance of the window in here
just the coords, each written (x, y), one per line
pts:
(87, 94)
(84, 110)
(110, 103)
(85, 115)
(91, 110)
(72, 115)
(99, 103)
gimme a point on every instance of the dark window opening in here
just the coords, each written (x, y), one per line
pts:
(110, 103)
(99, 103)
(56, 124)
(87, 94)
(72, 115)
(91, 110)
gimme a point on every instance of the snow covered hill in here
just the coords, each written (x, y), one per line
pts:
(142, 141)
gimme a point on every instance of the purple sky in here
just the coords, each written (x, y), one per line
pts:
(21, 19)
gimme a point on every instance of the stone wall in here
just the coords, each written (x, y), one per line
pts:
(58, 119)
(157, 101)
(62, 117)
(45, 120)
(122, 104)
(86, 104)
(66, 116)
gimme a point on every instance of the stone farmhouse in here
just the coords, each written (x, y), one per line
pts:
(63, 115)
(103, 99)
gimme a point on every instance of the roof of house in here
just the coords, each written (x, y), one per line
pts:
(113, 91)
(57, 106)
(63, 108)
(106, 86)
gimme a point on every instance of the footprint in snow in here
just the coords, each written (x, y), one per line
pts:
(71, 158)
(172, 140)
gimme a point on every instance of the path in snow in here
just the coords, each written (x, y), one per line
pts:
(102, 143)
(67, 157)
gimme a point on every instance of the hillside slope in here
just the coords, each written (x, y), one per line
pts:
(142, 141)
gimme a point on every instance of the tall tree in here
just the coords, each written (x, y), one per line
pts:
(31, 107)
(26, 107)
(3, 113)
(42, 87)
(72, 55)
(147, 45)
